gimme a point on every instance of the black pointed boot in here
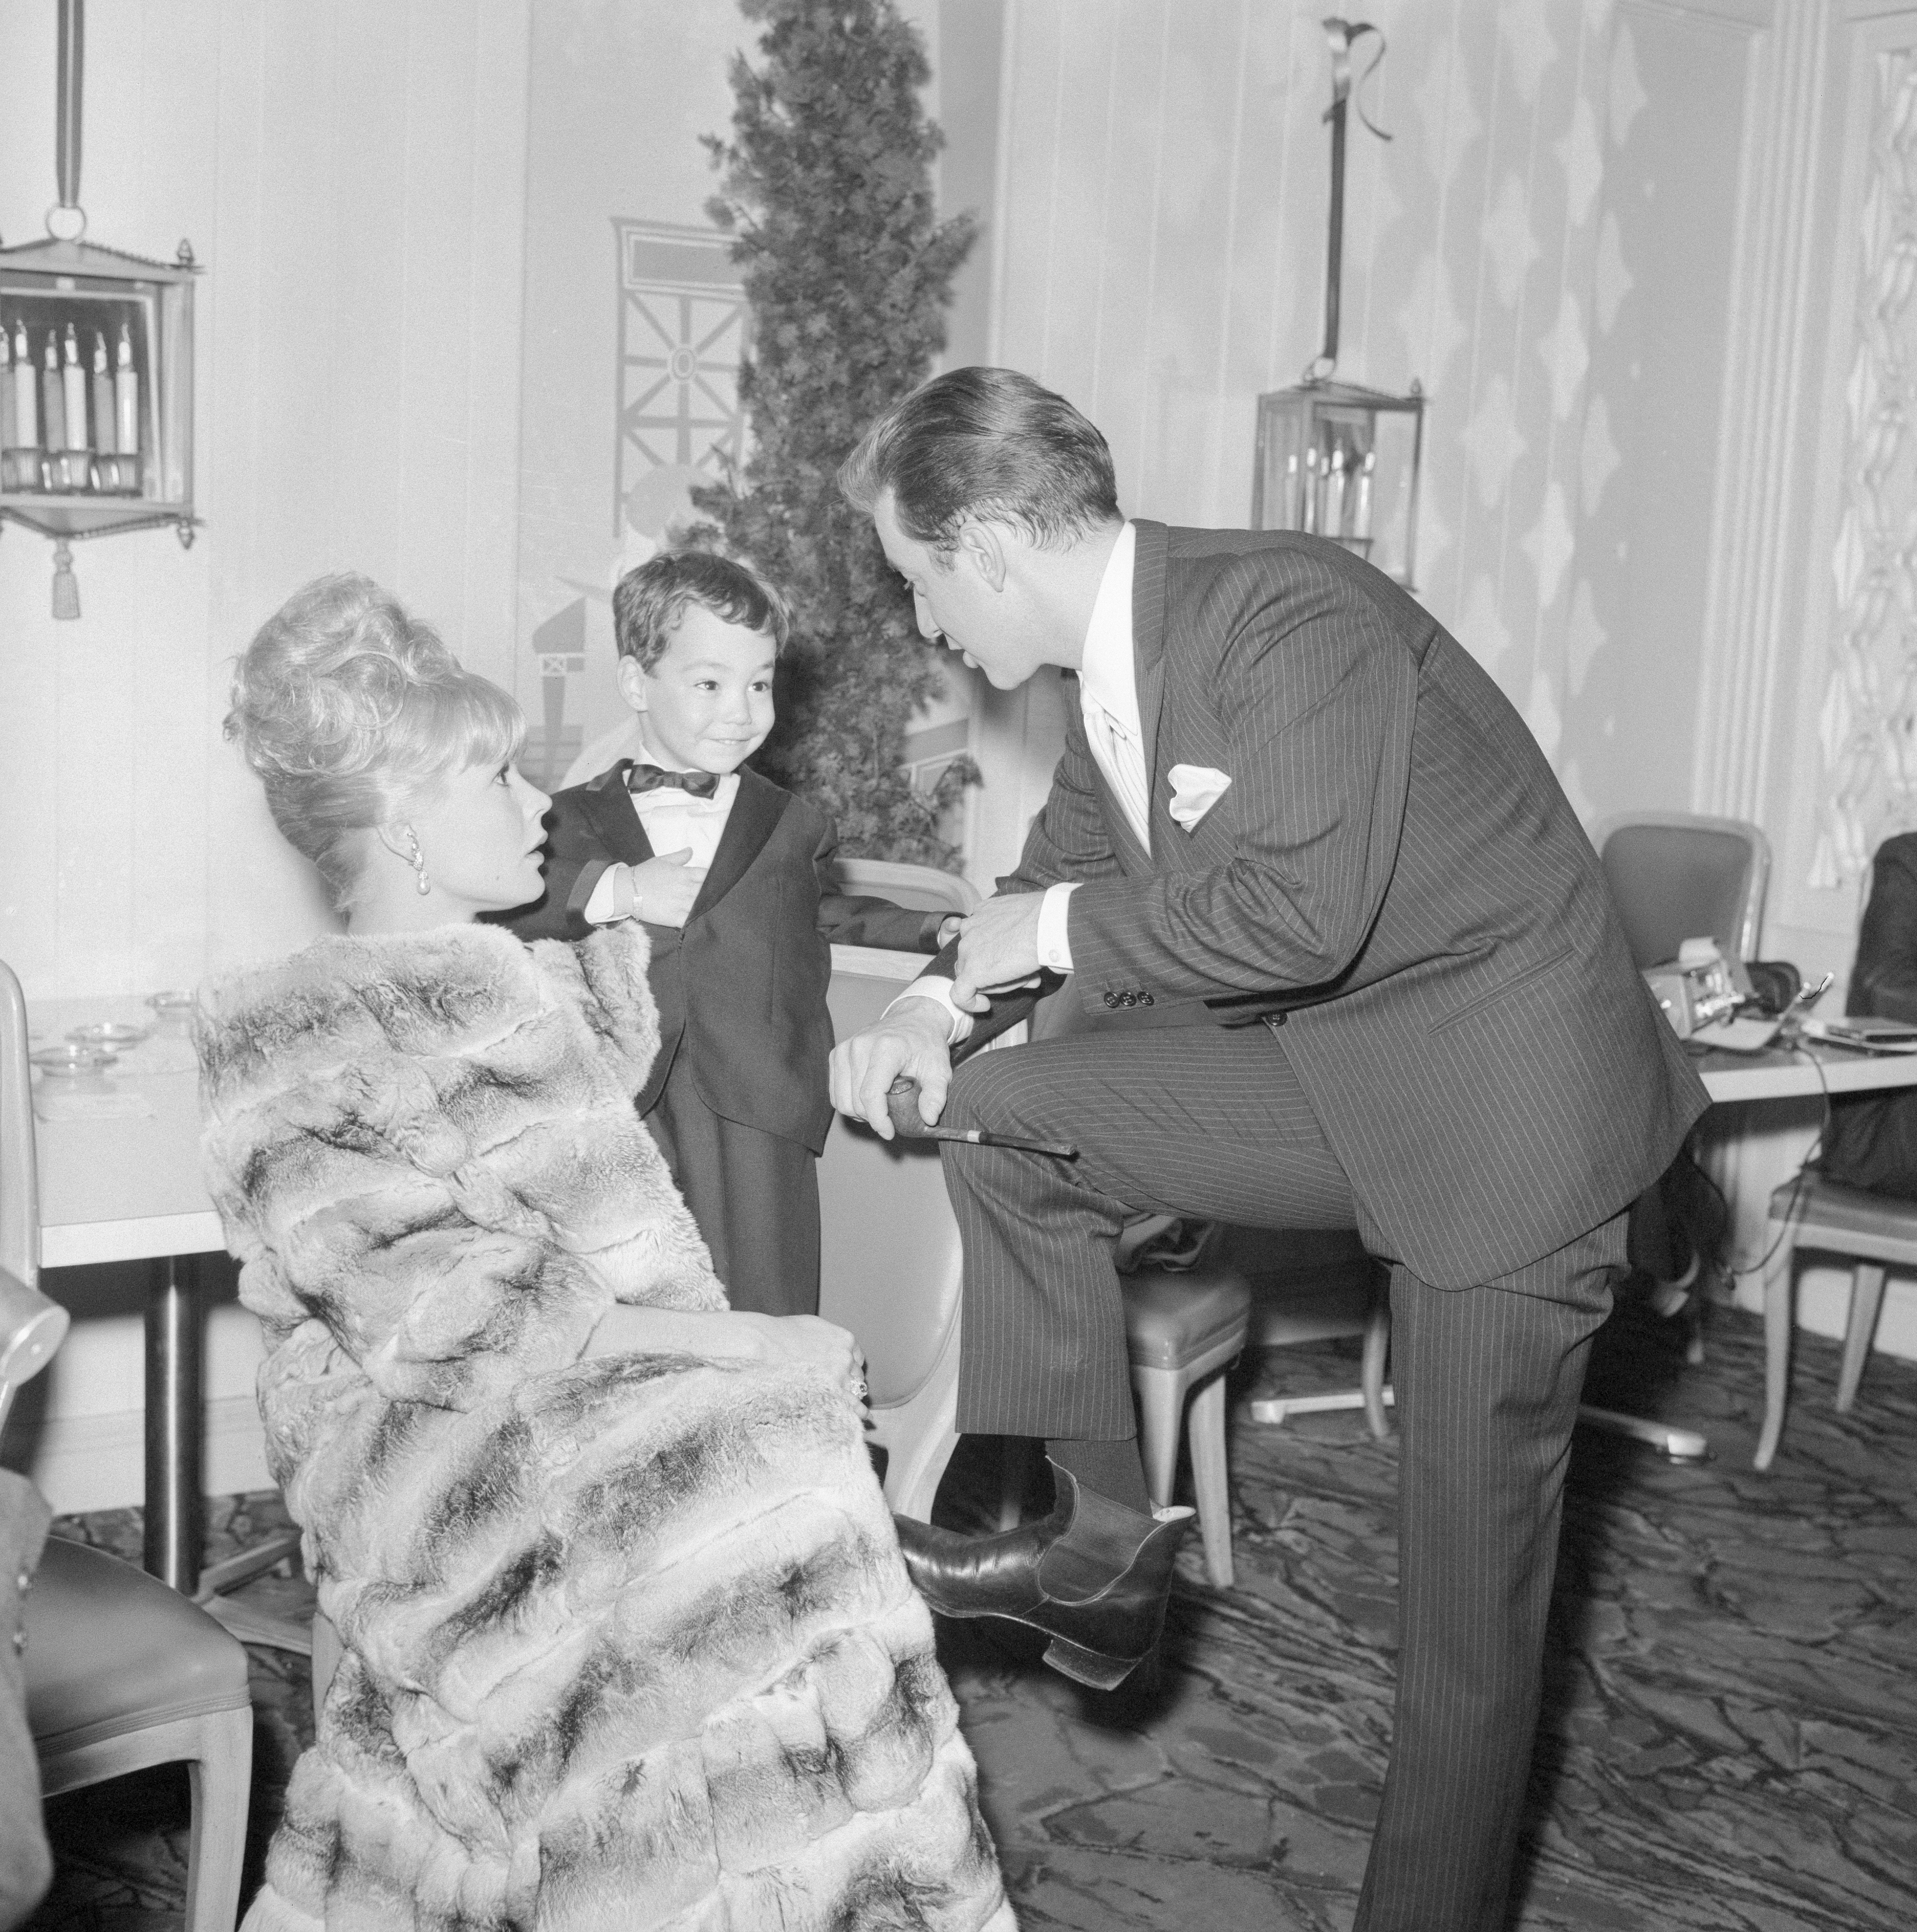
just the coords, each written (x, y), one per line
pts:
(1093, 1575)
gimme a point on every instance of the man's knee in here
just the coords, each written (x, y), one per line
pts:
(976, 1098)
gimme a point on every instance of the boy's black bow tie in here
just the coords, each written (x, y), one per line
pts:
(650, 778)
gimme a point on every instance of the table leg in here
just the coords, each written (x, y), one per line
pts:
(173, 1422)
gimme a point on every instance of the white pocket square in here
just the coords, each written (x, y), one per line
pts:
(1196, 789)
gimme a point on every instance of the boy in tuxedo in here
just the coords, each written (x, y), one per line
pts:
(732, 877)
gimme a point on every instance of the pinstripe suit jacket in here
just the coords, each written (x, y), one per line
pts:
(1395, 869)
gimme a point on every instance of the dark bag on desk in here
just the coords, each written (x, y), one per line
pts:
(1775, 983)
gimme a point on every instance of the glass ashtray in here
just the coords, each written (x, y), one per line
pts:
(74, 1059)
(113, 1033)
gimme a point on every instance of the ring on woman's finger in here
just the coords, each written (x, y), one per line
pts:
(859, 1386)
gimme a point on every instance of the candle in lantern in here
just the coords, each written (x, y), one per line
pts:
(52, 398)
(26, 393)
(1334, 505)
(102, 398)
(126, 396)
(1308, 521)
(1361, 520)
(72, 389)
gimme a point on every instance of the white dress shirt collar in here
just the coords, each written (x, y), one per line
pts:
(1107, 675)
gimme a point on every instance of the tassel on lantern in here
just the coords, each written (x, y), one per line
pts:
(66, 586)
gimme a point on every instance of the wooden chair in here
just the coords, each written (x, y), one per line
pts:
(1875, 1234)
(121, 1672)
(1184, 1330)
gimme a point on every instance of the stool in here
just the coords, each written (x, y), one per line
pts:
(1184, 1330)
(122, 1672)
(1874, 1232)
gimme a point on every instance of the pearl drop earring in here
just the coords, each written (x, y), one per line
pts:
(418, 862)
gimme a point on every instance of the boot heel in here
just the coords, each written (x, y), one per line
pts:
(1091, 1667)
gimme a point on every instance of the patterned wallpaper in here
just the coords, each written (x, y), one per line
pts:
(1867, 725)
(1545, 243)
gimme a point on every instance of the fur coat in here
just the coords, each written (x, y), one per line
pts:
(629, 1642)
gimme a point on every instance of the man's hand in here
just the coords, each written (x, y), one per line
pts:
(912, 1040)
(997, 947)
(664, 888)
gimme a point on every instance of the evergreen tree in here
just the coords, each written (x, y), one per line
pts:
(827, 188)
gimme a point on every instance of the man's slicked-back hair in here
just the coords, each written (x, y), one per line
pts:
(649, 602)
(984, 444)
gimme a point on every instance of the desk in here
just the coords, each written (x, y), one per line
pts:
(129, 1190)
(1802, 1072)
(1808, 1071)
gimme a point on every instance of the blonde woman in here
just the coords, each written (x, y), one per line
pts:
(627, 1639)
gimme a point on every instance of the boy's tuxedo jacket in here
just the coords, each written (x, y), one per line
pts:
(741, 990)
(1394, 870)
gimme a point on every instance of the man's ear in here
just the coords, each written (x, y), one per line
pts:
(982, 547)
(631, 683)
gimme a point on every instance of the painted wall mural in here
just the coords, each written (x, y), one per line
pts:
(682, 329)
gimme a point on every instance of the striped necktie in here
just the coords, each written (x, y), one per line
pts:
(1121, 758)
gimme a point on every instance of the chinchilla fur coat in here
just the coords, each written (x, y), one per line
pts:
(629, 1642)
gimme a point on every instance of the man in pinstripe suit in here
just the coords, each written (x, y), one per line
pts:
(1360, 969)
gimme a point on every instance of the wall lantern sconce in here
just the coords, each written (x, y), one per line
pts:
(1335, 458)
(96, 370)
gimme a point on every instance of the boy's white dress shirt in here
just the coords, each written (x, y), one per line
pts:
(671, 818)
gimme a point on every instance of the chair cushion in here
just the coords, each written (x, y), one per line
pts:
(1171, 1318)
(110, 1649)
(1824, 1207)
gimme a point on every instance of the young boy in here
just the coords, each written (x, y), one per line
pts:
(733, 877)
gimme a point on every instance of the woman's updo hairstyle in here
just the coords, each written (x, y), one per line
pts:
(348, 709)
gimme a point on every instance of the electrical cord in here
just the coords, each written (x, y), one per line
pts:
(1799, 1180)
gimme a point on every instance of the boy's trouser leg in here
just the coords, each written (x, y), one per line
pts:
(1487, 1382)
(755, 1196)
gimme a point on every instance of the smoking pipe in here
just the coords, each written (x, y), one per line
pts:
(901, 1102)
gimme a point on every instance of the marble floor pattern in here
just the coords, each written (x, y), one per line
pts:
(1730, 1740)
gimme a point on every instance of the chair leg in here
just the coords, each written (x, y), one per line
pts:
(1209, 1478)
(1377, 1347)
(220, 1780)
(1866, 1296)
(1778, 1283)
(1161, 1394)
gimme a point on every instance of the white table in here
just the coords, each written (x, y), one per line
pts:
(1797, 1073)
(1805, 1071)
(129, 1188)
(1802, 1072)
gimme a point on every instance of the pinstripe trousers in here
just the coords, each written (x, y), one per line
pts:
(1213, 1123)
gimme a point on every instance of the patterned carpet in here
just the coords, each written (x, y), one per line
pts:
(1730, 1737)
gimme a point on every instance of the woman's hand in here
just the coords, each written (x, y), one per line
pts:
(624, 1330)
(808, 1338)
